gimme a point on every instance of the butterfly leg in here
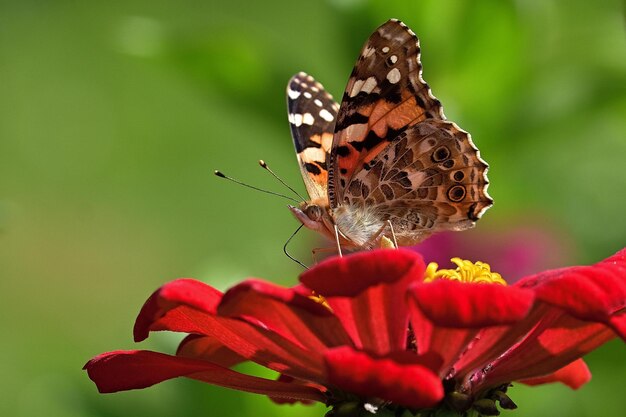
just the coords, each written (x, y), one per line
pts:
(315, 251)
(371, 243)
(393, 234)
(337, 240)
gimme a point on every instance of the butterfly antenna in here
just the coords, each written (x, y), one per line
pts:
(287, 253)
(268, 169)
(221, 175)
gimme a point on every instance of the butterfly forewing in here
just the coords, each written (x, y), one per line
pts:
(312, 116)
(385, 94)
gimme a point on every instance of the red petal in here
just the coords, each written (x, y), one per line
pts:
(592, 293)
(491, 342)
(208, 349)
(462, 305)
(350, 275)
(190, 306)
(574, 375)
(447, 343)
(126, 370)
(290, 380)
(366, 291)
(618, 323)
(411, 385)
(184, 291)
(285, 312)
(556, 341)
(446, 315)
(249, 341)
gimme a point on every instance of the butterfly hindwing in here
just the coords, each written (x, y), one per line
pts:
(428, 178)
(385, 94)
(312, 116)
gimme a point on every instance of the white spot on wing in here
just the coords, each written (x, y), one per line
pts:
(313, 154)
(393, 59)
(369, 51)
(308, 119)
(325, 114)
(293, 94)
(318, 102)
(307, 94)
(385, 49)
(295, 119)
(356, 88)
(369, 85)
(394, 76)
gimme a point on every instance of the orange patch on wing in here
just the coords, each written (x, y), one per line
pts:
(348, 162)
(385, 115)
(321, 178)
(325, 140)
(373, 153)
(379, 114)
(389, 115)
(406, 113)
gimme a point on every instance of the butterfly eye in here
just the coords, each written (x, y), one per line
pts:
(314, 212)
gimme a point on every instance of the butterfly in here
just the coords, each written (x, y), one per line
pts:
(386, 161)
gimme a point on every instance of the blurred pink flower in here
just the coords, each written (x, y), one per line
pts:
(514, 252)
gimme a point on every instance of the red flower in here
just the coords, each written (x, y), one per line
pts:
(381, 334)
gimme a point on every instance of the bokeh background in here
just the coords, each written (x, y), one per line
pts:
(113, 116)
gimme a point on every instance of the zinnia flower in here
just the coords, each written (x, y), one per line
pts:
(380, 331)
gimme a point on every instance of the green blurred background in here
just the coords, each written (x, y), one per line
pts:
(114, 114)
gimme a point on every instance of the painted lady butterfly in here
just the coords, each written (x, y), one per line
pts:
(386, 161)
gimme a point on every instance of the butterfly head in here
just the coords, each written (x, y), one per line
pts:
(313, 216)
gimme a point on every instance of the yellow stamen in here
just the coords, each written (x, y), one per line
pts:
(466, 271)
(319, 299)
(386, 243)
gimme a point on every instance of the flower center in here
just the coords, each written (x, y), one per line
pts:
(466, 271)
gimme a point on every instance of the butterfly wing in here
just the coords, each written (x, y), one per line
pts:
(385, 95)
(428, 178)
(312, 116)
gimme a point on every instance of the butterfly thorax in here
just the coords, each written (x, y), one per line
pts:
(360, 225)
